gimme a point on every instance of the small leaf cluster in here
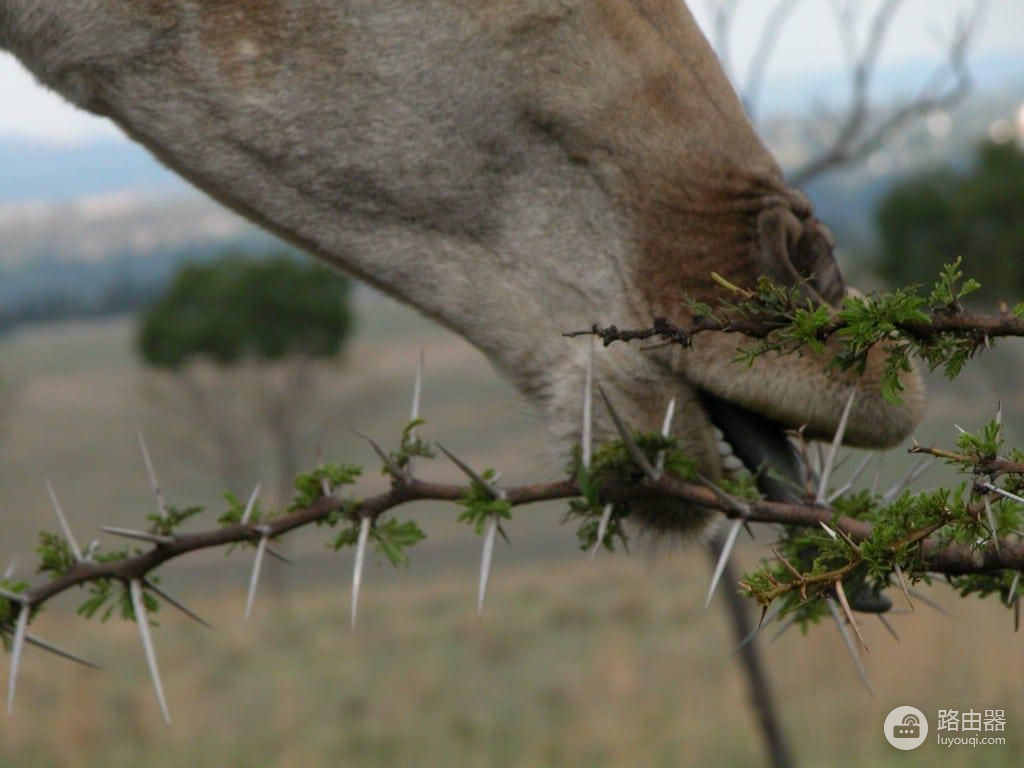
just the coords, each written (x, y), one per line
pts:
(236, 511)
(979, 447)
(55, 555)
(392, 538)
(309, 487)
(167, 522)
(886, 320)
(105, 594)
(412, 445)
(590, 509)
(480, 506)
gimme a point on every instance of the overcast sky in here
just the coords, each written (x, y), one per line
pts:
(810, 44)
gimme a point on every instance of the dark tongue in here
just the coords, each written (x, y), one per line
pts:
(762, 447)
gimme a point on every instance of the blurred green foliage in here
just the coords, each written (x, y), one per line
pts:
(930, 217)
(236, 308)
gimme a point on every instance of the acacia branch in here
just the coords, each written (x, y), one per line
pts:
(947, 559)
(762, 325)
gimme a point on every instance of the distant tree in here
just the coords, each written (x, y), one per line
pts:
(240, 339)
(976, 214)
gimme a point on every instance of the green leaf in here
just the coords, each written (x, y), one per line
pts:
(392, 539)
(310, 486)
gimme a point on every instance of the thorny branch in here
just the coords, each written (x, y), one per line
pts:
(933, 327)
(761, 326)
(973, 537)
(949, 559)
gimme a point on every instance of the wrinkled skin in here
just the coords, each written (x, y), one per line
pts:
(514, 170)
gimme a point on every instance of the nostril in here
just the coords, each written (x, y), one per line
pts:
(814, 259)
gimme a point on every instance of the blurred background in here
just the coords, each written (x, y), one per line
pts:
(129, 301)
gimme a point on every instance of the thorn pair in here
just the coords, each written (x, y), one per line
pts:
(490, 532)
(654, 473)
(828, 465)
(400, 474)
(21, 636)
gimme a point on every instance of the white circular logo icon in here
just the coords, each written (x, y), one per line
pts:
(906, 728)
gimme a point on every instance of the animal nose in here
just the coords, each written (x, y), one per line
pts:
(814, 260)
(799, 252)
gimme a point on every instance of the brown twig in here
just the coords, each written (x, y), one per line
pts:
(939, 557)
(760, 326)
(981, 466)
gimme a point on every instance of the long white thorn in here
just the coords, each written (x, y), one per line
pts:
(769, 616)
(1001, 492)
(177, 603)
(15, 597)
(919, 469)
(737, 506)
(279, 556)
(723, 558)
(666, 430)
(1013, 589)
(129, 533)
(828, 530)
(471, 473)
(250, 505)
(31, 639)
(602, 529)
(992, 525)
(784, 627)
(851, 619)
(9, 571)
(139, 607)
(587, 440)
(485, 563)
(850, 645)
(833, 451)
(153, 482)
(417, 389)
(888, 626)
(929, 602)
(254, 578)
(396, 471)
(325, 485)
(357, 570)
(634, 450)
(414, 410)
(854, 477)
(903, 585)
(17, 646)
(75, 549)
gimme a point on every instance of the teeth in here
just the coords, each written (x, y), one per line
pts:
(731, 463)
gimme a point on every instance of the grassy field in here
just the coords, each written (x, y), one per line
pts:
(613, 663)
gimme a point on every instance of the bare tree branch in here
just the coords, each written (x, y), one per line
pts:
(766, 45)
(856, 138)
(951, 559)
(858, 131)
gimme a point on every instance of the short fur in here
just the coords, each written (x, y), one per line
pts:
(513, 169)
